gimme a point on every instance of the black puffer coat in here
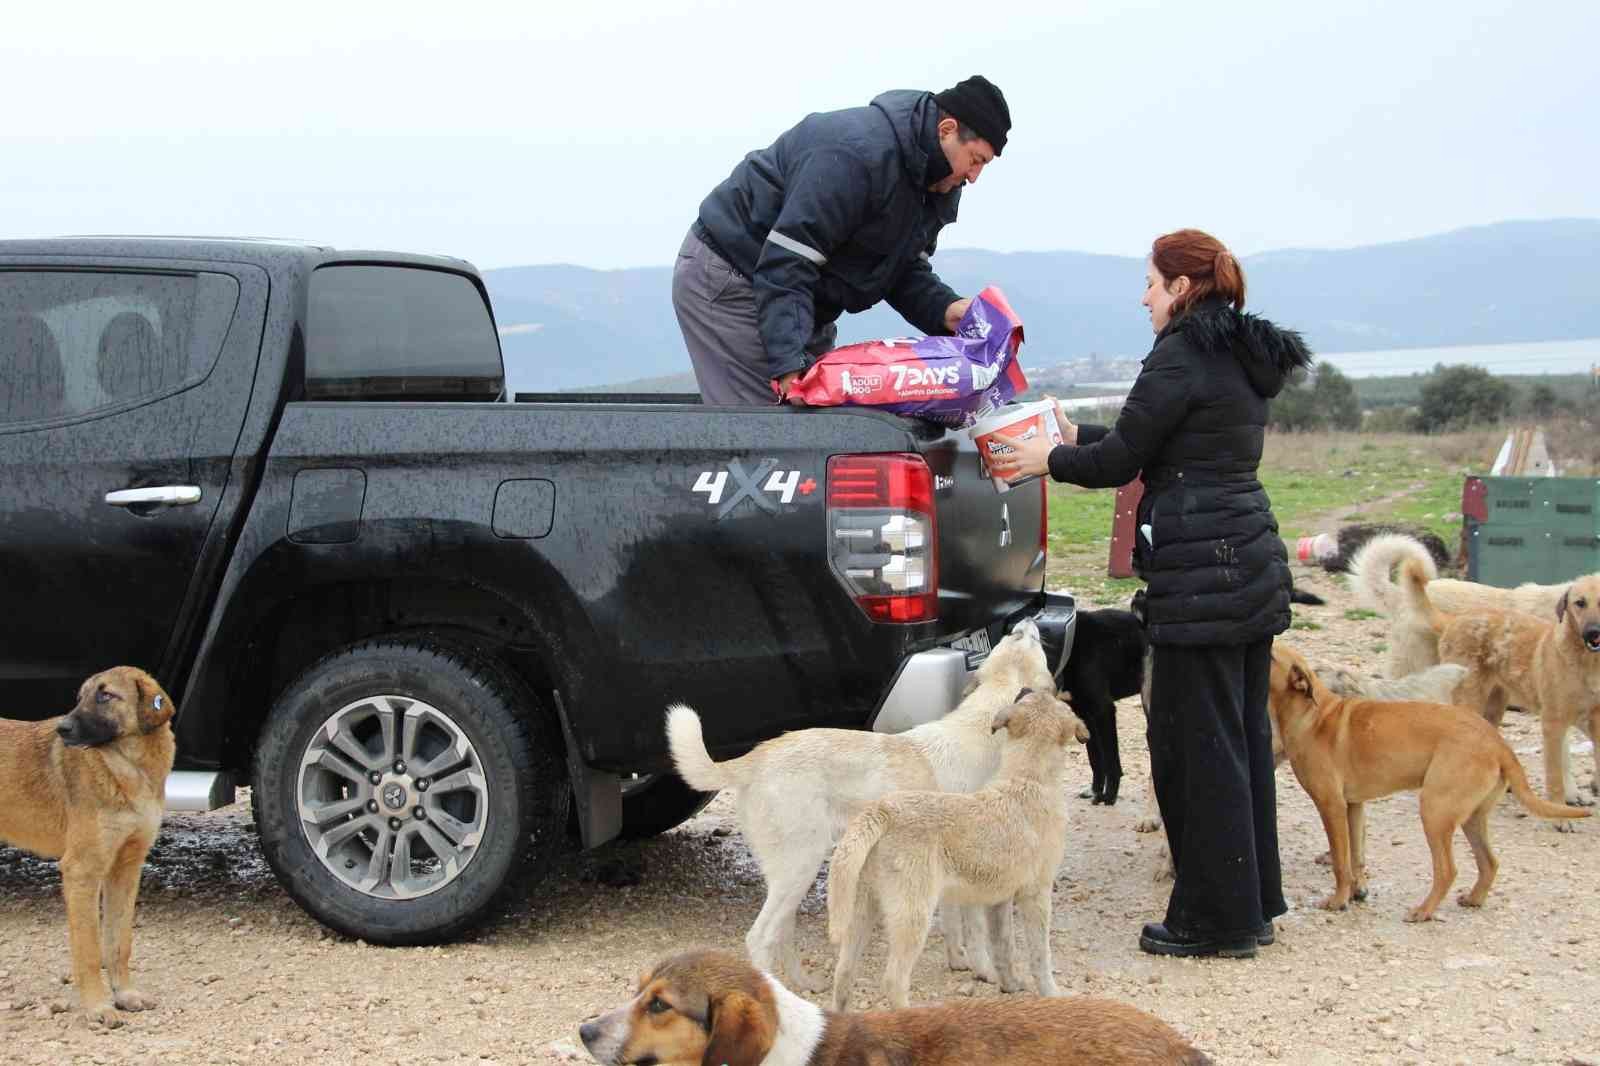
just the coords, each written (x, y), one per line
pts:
(1193, 426)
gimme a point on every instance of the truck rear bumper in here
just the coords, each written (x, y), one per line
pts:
(930, 683)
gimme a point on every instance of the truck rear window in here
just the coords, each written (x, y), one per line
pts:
(399, 333)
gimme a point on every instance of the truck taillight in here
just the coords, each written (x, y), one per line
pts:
(883, 535)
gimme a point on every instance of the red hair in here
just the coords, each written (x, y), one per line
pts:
(1205, 261)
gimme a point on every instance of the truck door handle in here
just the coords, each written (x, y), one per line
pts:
(162, 495)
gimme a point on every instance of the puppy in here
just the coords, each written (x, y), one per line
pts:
(1000, 844)
(1348, 751)
(796, 793)
(1550, 667)
(88, 788)
(1413, 643)
(711, 1008)
(1106, 665)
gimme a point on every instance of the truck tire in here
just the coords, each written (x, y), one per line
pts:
(402, 786)
(655, 803)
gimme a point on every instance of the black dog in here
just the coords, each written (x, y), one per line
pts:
(1106, 665)
(1109, 662)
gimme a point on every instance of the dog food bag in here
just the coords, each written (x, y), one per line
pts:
(950, 380)
(1022, 421)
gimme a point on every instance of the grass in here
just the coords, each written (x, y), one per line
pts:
(1359, 614)
(1316, 481)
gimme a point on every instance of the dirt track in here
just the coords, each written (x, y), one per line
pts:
(243, 975)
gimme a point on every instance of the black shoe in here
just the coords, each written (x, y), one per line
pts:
(1157, 939)
(1266, 934)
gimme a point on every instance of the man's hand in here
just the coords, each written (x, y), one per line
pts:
(1026, 457)
(953, 313)
(784, 383)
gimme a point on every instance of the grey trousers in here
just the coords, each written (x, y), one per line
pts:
(716, 308)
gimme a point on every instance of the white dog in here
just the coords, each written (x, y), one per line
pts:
(797, 792)
(994, 847)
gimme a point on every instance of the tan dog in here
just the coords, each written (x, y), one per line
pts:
(1413, 643)
(88, 788)
(797, 792)
(999, 845)
(717, 1010)
(1549, 667)
(1348, 751)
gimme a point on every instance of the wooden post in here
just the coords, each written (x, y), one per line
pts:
(1123, 528)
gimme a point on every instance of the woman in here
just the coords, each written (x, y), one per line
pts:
(1218, 583)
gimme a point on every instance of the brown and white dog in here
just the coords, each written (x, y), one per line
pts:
(1550, 666)
(715, 1009)
(1413, 643)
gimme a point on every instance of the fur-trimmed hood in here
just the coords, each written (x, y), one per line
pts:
(1268, 353)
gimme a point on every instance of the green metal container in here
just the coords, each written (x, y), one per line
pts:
(1521, 529)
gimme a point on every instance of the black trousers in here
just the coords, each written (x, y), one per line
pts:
(1211, 767)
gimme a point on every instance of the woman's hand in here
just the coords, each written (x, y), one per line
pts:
(1027, 457)
(1068, 428)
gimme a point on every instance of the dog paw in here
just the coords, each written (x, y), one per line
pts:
(1360, 894)
(1325, 859)
(1335, 902)
(1012, 983)
(1147, 825)
(1419, 914)
(1088, 793)
(104, 1014)
(1580, 799)
(987, 974)
(133, 999)
(1565, 827)
(1466, 900)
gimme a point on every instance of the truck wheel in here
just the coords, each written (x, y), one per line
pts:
(401, 786)
(655, 803)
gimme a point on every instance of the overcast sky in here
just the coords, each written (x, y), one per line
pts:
(589, 132)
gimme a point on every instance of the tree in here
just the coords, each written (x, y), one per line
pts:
(1335, 398)
(1542, 401)
(1462, 395)
(1329, 400)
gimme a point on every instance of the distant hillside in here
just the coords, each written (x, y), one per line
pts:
(568, 327)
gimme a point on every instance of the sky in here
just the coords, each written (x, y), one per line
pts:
(588, 133)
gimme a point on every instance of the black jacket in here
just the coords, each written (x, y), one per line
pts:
(835, 216)
(1193, 426)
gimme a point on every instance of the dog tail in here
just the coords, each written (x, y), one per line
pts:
(844, 869)
(1517, 778)
(689, 754)
(1310, 599)
(1414, 594)
(1371, 565)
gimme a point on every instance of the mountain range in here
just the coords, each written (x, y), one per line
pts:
(569, 327)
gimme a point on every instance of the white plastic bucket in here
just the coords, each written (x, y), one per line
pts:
(1024, 420)
(1317, 548)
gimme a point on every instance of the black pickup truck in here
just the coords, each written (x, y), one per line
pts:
(433, 626)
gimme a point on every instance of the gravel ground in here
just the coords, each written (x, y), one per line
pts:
(243, 975)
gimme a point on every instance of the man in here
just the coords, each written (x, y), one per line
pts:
(843, 210)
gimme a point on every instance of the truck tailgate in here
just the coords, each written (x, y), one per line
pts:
(991, 544)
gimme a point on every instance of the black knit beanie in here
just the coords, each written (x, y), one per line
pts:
(978, 105)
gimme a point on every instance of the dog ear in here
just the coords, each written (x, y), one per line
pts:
(741, 1032)
(1022, 694)
(1561, 605)
(155, 706)
(1299, 680)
